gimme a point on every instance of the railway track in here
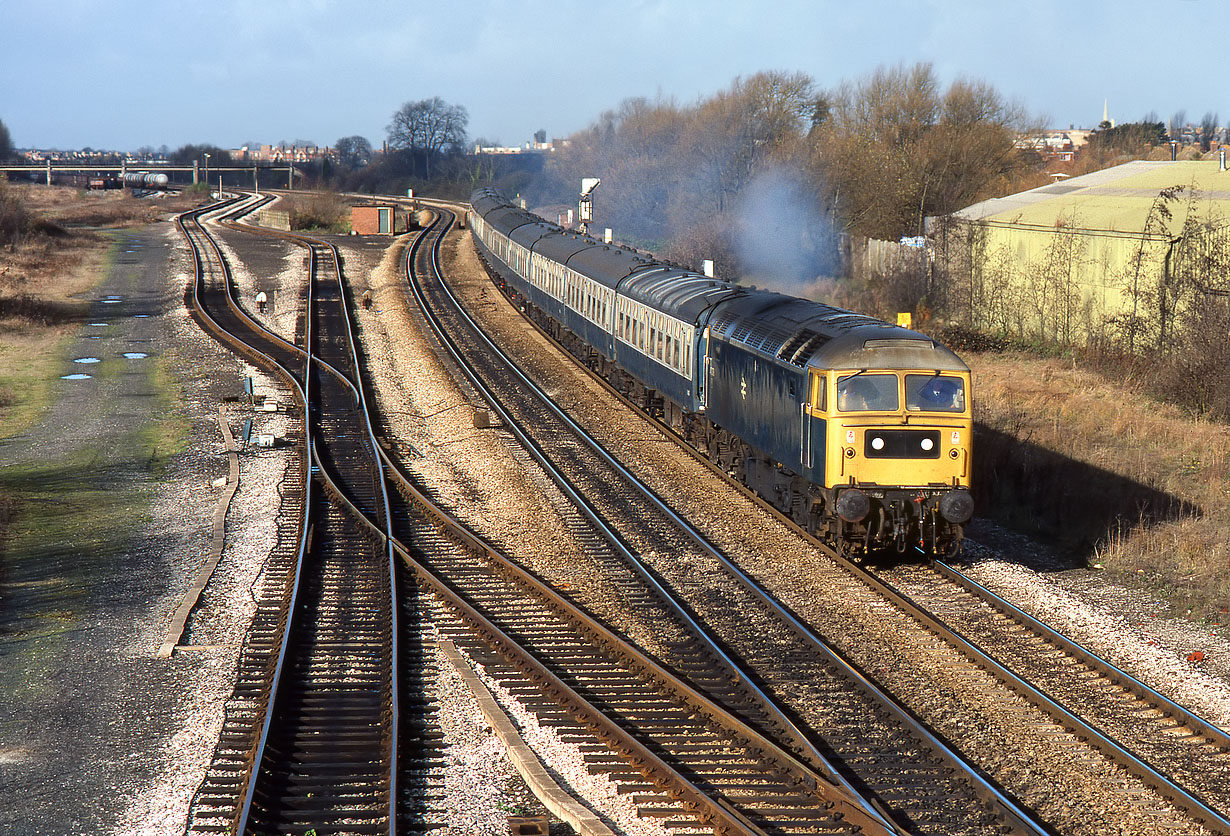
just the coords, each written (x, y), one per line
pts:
(910, 775)
(310, 741)
(701, 754)
(322, 758)
(1177, 743)
(1152, 737)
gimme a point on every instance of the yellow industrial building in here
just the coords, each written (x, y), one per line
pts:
(1072, 259)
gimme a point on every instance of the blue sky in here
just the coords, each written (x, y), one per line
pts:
(127, 73)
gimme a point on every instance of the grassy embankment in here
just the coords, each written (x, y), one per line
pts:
(1133, 486)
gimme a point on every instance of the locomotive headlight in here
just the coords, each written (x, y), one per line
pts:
(926, 444)
(956, 506)
(853, 505)
(877, 443)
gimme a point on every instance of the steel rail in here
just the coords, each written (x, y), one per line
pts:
(1179, 796)
(258, 751)
(528, 663)
(357, 393)
(792, 733)
(1010, 812)
(244, 819)
(1183, 716)
(719, 810)
(795, 735)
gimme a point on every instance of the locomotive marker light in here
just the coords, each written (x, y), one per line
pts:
(586, 213)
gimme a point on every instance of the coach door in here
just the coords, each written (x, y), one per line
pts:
(702, 370)
(811, 420)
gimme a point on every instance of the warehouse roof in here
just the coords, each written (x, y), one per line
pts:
(1112, 200)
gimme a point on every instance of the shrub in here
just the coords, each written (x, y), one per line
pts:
(16, 222)
(324, 212)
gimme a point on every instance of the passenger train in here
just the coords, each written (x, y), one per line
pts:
(858, 430)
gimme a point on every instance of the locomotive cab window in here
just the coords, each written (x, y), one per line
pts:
(867, 393)
(934, 393)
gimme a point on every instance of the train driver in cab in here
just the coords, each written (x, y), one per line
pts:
(941, 394)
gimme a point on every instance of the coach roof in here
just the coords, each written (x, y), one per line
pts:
(682, 293)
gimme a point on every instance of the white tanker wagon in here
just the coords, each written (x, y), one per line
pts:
(145, 180)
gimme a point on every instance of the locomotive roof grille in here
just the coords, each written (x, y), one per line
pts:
(722, 321)
(799, 349)
(742, 331)
(766, 338)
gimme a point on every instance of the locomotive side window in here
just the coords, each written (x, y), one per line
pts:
(867, 393)
(934, 393)
(819, 391)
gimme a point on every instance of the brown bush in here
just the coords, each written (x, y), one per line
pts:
(15, 219)
(1090, 460)
(322, 211)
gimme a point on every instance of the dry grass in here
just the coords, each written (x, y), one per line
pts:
(1135, 485)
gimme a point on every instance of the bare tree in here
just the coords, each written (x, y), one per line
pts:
(1208, 128)
(896, 149)
(429, 127)
(353, 151)
(1177, 123)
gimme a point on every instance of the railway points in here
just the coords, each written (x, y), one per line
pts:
(529, 667)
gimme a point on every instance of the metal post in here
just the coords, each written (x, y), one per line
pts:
(49, 171)
(290, 177)
(196, 172)
(256, 183)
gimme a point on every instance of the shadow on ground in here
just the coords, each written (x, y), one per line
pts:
(1075, 505)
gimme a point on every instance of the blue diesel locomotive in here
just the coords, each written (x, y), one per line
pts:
(858, 430)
